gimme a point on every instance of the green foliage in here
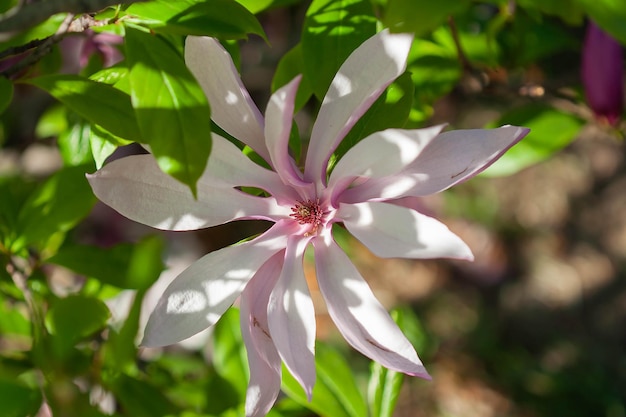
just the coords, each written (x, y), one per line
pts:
(140, 398)
(230, 354)
(169, 103)
(218, 18)
(18, 400)
(97, 102)
(335, 392)
(6, 93)
(53, 208)
(75, 318)
(420, 16)
(384, 384)
(610, 15)
(128, 266)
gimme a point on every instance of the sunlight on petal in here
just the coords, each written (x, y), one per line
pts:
(361, 79)
(187, 301)
(360, 318)
(391, 231)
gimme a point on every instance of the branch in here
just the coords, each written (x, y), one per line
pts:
(42, 48)
(20, 18)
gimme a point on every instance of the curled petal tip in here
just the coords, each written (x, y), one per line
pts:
(421, 374)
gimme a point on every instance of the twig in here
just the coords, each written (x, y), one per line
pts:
(16, 50)
(467, 66)
(19, 275)
(18, 19)
(42, 49)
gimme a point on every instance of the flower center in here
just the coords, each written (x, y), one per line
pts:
(309, 212)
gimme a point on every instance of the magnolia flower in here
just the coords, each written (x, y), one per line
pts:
(361, 192)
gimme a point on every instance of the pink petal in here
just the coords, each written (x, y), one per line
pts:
(231, 106)
(391, 231)
(228, 165)
(380, 154)
(360, 318)
(137, 188)
(263, 358)
(198, 297)
(358, 83)
(279, 117)
(292, 317)
(452, 157)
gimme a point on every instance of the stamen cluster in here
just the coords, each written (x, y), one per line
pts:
(309, 212)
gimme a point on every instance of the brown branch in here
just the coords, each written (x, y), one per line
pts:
(42, 49)
(20, 18)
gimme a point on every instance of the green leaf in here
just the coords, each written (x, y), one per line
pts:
(18, 400)
(128, 266)
(97, 102)
(567, 10)
(291, 65)
(74, 318)
(172, 111)
(332, 30)
(529, 40)
(6, 93)
(384, 388)
(255, 6)
(53, 122)
(141, 399)
(550, 131)
(120, 349)
(55, 206)
(610, 15)
(101, 147)
(391, 110)
(384, 384)
(420, 16)
(18, 190)
(335, 392)
(230, 359)
(12, 320)
(41, 31)
(225, 19)
(74, 144)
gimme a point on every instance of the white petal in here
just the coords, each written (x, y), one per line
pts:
(198, 297)
(231, 106)
(263, 358)
(381, 154)
(458, 155)
(391, 231)
(279, 117)
(358, 83)
(137, 188)
(360, 318)
(450, 158)
(292, 317)
(228, 165)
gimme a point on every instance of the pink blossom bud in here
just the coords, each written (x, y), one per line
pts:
(603, 74)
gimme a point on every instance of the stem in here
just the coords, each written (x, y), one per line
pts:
(44, 47)
(20, 275)
(467, 66)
